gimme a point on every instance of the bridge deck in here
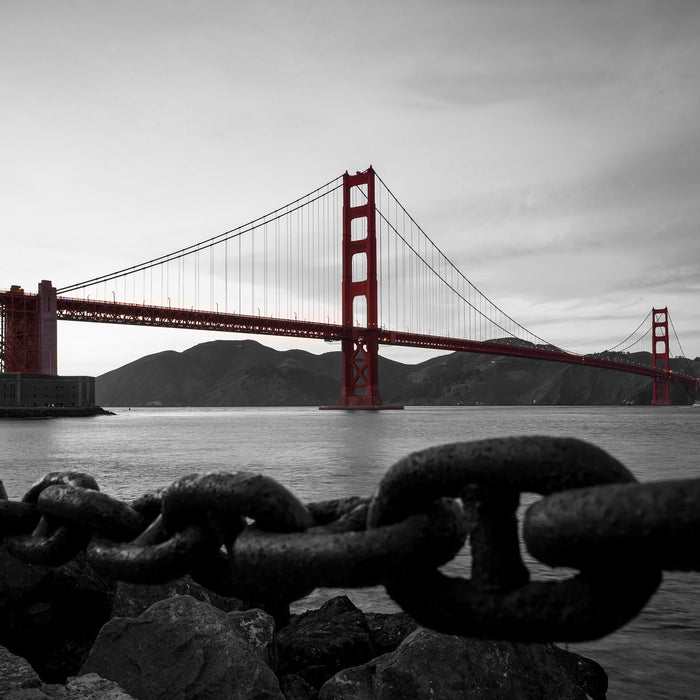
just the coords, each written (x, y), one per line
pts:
(93, 310)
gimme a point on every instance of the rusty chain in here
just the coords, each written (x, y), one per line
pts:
(245, 535)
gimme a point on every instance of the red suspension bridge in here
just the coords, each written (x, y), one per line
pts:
(279, 275)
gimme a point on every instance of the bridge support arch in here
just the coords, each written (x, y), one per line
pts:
(659, 351)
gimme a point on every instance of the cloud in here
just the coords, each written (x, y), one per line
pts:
(549, 147)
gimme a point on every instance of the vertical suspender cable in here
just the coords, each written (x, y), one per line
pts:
(240, 296)
(298, 297)
(252, 267)
(312, 256)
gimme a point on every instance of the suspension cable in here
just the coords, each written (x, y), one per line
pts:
(646, 318)
(278, 213)
(676, 335)
(452, 265)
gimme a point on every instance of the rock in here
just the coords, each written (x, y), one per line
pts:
(94, 687)
(26, 694)
(319, 643)
(388, 630)
(587, 672)
(258, 629)
(253, 625)
(181, 648)
(16, 672)
(295, 687)
(131, 599)
(428, 664)
(89, 687)
(51, 616)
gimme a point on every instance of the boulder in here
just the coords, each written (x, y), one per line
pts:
(181, 648)
(16, 672)
(51, 616)
(428, 664)
(131, 599)
(319, 643)
(26, 694)
(254, 625)
(89, 687)
(388, 630)
(94, 687)
(258, 629)
(294, 687)
(589, 674)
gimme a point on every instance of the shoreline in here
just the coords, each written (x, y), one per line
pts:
(54, 412)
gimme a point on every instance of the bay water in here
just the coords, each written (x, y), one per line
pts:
(327, 454)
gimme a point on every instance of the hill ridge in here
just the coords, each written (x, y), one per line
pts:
(247, 373)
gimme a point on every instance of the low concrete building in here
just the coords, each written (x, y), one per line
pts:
(20, 390)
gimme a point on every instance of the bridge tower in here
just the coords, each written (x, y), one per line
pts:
(28, 329)
(360, 346)
(659, 351)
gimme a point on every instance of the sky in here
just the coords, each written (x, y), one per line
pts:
(550, 148)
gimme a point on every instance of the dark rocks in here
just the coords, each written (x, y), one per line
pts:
(181, 648)
(19, 681)
(16, 672)
(319, 643)
(131, 599)
(588, 674)
(432, 665)
(91, 687)
(51, 616)
(295, 687)
(258, 629)
(389, 630)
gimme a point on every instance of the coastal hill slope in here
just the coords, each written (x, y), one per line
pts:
(247, 373)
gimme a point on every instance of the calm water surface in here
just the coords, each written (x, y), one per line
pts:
(327, 454)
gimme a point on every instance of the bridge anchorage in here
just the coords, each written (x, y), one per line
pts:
(278, 275)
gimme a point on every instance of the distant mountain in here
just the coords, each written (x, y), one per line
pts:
(247, 373)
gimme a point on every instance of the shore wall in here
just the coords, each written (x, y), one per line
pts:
(20, 390)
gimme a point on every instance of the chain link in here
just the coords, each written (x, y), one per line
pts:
(245, 535)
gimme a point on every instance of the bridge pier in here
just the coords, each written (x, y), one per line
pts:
(28, 324)
(360, 376)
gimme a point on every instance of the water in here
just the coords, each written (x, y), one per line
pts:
(327, 454)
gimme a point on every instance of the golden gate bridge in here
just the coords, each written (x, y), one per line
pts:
(345, 262)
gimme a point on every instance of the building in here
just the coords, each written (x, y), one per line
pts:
(21, 390)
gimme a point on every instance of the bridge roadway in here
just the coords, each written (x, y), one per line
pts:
(92, 310)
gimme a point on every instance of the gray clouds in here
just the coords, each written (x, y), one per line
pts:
(549, 147)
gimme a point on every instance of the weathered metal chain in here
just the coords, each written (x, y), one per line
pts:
(245, 535)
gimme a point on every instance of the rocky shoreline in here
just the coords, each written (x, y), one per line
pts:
(69, 633)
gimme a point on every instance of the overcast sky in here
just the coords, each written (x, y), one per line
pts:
(549, 147)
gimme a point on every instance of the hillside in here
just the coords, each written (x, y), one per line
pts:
(247, 373)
